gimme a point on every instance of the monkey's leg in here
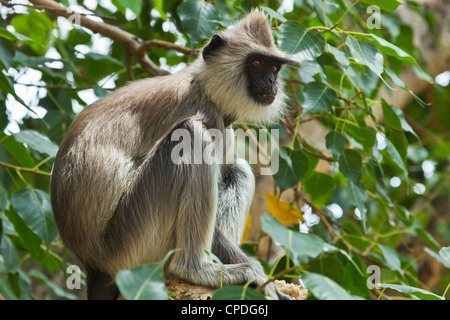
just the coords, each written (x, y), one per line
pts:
(100, 286)
(236, 189)
(196, 217)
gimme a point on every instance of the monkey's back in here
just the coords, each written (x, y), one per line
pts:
(102, 151)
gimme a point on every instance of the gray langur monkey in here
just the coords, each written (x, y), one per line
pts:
(118, 199)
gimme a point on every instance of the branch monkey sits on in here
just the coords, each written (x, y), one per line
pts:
(118, 199)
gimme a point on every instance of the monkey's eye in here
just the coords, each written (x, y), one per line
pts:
(256, 63)
(274, 69)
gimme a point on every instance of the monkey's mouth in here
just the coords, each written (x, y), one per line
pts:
(266, 97)
(263, 95)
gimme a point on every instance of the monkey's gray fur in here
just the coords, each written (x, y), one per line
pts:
(118, 199)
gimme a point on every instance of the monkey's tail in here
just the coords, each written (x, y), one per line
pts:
(100, 285)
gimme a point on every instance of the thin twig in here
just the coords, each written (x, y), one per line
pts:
(55, 86)
(129, 65)
(21, 169)
(314, 117)
(294, 81)
(148, 45)
(315, 155)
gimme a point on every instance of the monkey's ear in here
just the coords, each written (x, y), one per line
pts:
(213, 45)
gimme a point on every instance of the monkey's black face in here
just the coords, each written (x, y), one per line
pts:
(262, 72)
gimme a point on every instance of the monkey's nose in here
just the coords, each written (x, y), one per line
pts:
(274, 89)
(270, 79)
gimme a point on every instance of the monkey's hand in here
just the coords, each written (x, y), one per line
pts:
(269, 288)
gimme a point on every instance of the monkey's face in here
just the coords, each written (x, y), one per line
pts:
(241, 70)
(262, 71)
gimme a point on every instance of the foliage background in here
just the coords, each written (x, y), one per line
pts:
(373, 189)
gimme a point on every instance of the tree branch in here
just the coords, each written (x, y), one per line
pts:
(130, 41)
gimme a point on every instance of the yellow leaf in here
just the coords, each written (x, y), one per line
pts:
(283, 211)
(248, 225)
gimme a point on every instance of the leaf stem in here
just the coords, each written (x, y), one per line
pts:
(345, 13)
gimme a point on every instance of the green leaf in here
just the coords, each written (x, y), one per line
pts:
(427, 237)
(350, 164)
(404, 215)
(338, 55)
(78, 36)
(6, 86)
(58, 291)
(37, 141)
(388, 5)
(363, 135)
(400, 143)
(335, 142)
(34, 207)
(293, 165)
(273, 14)
(390, 116)
(11, 35)
(237, 293)
(422, 74)
(320, 186)
(198, 19)
(17, 150)
(323, 288)
(396, 157)
(443, 256)
(318, 97)
(354, 280)
(42, 25)
(159, 5)
(313, 161)
(133, 5)
(144, 282)
(420, 293)
(312, 71)
(392, 49)
(405, 125)
(391, 258)
(5, 289)
(9, 254)
(299, 41)
(28, 238)
(444, 253)
(300, 245)
(367, 54)
(6, 53)
(358, 199)
(399, 82)
(365, 79)
(104, 58)
(3, 203)
(328, 266)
